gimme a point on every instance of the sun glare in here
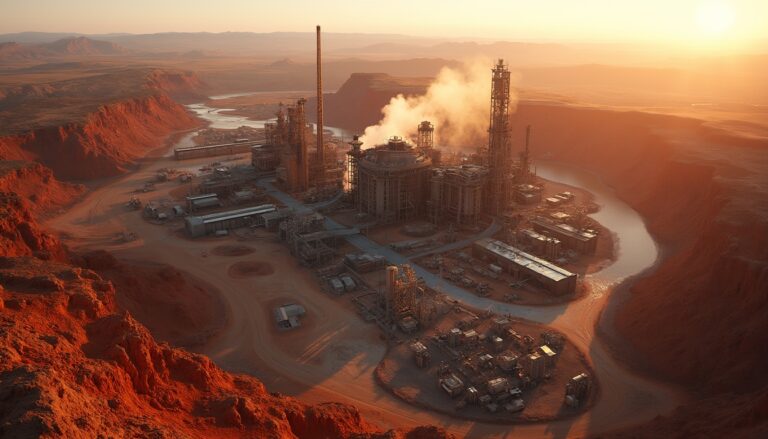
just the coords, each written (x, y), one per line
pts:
(715, 17)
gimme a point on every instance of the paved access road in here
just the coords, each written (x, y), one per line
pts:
(333, 357)
(626, 398)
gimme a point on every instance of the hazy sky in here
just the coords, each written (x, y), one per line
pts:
(678, 21)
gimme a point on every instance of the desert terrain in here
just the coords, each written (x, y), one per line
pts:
(675, 340)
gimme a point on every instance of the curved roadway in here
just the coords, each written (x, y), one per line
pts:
(333, 358)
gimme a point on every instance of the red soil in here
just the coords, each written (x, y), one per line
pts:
(27, 189)
(36, 184)
(698, 317)
(106, 143)
(724, 416)
(173, 305)
(74, 365)
(250, 269)
(20, 235)
(232, 250)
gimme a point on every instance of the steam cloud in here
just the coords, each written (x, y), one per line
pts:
(457, 102)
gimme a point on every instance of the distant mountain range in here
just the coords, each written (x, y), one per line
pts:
(71, 46)
(300, 46)
(287, 43)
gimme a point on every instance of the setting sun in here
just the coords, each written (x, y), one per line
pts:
(715, 17)
(347, 219)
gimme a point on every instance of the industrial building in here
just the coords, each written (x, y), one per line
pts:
(577, 390)
(364, 262)
(204, 201)
(582, 241)
(555, 279)
(420, 354)
(398, 182)
(527, 194)
(265, 158)
(391, 181)
(544, 246)
(293, 172)
(287, 316)
(534, 365)
(456, 193)
(452, 385)
(197, 226)
(194, 152)
(286, 148)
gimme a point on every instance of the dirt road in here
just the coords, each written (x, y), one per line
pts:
(333, 355)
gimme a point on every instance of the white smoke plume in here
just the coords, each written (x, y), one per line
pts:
(457, 102)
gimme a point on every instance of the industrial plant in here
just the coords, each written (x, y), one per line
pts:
(391, 226)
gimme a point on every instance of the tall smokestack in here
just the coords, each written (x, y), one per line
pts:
(320, 143)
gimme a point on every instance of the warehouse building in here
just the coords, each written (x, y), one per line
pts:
(543, 246)
(204, 201)
(555, 279)
(287, 316)
(194, 152)
(197, 226)
(583, 241)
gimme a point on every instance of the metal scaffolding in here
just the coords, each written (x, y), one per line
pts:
(499, 144)
(353, 179)
(456, 194)
(400, 295)
(295, 162)
(392, 181)
(426, 135)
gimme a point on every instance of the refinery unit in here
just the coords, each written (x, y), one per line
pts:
(482, 223)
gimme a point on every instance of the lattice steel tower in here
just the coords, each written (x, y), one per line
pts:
(499, 144)
(426, 135)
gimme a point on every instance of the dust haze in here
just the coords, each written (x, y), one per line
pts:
(456, 102)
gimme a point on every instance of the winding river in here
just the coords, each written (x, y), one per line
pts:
(219, 119)
(338, 363)
(625, 398)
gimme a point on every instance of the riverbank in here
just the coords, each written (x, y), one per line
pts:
(336, 361)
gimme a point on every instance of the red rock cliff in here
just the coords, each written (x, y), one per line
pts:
(73, 365)
(698, 318)
(36, 184)
(106, 143)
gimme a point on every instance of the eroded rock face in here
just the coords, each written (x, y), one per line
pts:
(36, 184)
(20, 235)
(72, 364)
(106, 142)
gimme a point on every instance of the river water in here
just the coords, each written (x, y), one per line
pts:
(626, 396)
(636, 249)
(218, 119)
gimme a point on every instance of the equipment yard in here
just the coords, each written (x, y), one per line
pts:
(486, 367)
(386, 270)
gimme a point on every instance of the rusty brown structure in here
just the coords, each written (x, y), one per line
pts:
(456, 194)
(293, 172)
(500, 159)
(354, 155)
(392, 181)
(320, 141)
(426, 135)
(523, 173)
